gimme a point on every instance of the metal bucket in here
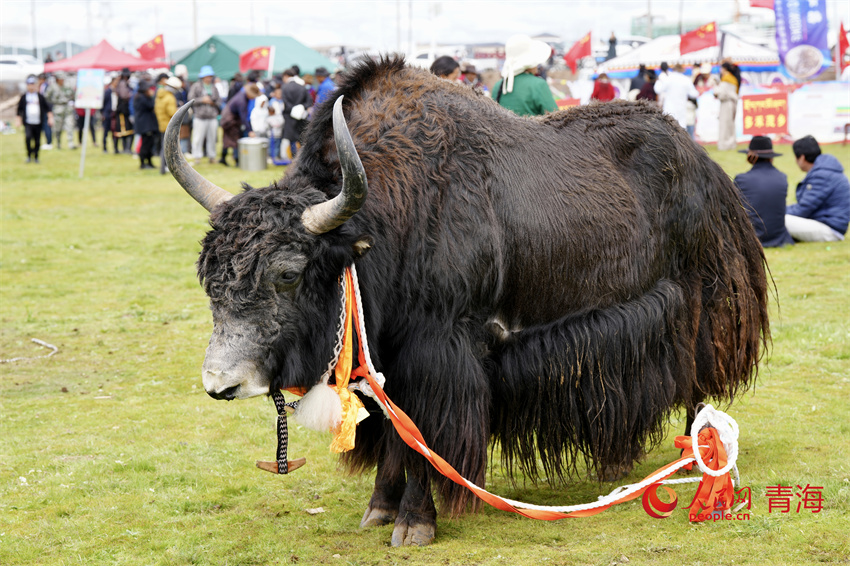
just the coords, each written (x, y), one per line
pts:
(253, 153)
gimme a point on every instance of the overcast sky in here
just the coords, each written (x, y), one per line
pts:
(127, 24)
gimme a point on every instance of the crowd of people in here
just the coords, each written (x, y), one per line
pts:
(137, 109)
(138, 106)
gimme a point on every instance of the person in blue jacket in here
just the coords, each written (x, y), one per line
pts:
(764, 189)
(822, 211)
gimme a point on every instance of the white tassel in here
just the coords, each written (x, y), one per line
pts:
(320, 409)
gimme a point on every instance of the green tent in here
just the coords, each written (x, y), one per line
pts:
(222, 53)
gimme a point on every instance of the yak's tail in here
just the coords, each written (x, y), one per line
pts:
(598, 384)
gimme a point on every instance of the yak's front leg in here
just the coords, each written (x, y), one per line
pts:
(442, 386)
(386, 497)
(416, 523)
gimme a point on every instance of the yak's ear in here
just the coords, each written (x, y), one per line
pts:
(362, 245)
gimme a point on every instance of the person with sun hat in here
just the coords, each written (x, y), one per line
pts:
(520, 90)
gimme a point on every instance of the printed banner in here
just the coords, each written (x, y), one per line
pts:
(89, 88)
(568, 103)
(765, 114)
(801, 28)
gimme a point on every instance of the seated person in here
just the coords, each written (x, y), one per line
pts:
(764, 189)
(822, 211)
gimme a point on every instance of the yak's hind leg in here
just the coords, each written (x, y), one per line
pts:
(599, 384)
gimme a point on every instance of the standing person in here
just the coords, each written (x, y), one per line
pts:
(81, 124)
(638, 81)
(207, 107)
(472, 79)
(235, 122)
(647, 91)
(164, 107)
(764, 190)
(275, 121)
(612, 47)
(727, 93)
(326, 85)
(33, 111)
(295, 99)
(107, 112)
(236, 84)
(146, 124)
(259, 116)
(675, 91)
(446, 68)
(520, 90)
(822, 210)
(123, 128)
(221, 88)
(46, 128)
(61, 99)
(603, 90)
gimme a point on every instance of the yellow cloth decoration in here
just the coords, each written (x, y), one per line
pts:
(351, 405)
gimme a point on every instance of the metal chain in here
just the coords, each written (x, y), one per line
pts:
(340, 334)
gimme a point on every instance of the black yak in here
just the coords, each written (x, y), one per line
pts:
(556, 285)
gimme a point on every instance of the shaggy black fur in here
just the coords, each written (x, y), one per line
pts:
(613, 252)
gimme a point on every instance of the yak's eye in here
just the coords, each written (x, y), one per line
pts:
(289, 277)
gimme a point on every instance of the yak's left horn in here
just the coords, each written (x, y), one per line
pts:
(206, 193)
(327, 215)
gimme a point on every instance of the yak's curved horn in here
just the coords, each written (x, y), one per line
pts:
(327, 215)
(206, 193)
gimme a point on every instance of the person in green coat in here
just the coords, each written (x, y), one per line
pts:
(520, 90)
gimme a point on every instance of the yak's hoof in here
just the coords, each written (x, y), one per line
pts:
(612, 472)
(378, 517)
(420, 534)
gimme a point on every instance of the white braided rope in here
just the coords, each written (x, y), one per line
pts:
(362, 385)
(726, 426)
(40, 343)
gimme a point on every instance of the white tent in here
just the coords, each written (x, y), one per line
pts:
(748, 56)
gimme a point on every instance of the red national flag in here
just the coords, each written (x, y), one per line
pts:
(153, 49)
(841, 58)
(700, 38)
(577, 51)
(761, 4)
(255, 59)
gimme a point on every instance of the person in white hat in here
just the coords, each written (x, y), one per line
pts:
(520, 90)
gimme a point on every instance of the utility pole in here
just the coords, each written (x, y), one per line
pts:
(649, 18)
(194, 23)
(398, 25)
(681, 3)
(34, 39)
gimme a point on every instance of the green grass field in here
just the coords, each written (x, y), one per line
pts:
(112, 453)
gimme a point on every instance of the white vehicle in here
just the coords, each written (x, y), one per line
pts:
(16, 68)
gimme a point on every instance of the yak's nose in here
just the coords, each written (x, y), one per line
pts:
(228, 394)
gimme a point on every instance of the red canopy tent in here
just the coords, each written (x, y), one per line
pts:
(101, 56)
